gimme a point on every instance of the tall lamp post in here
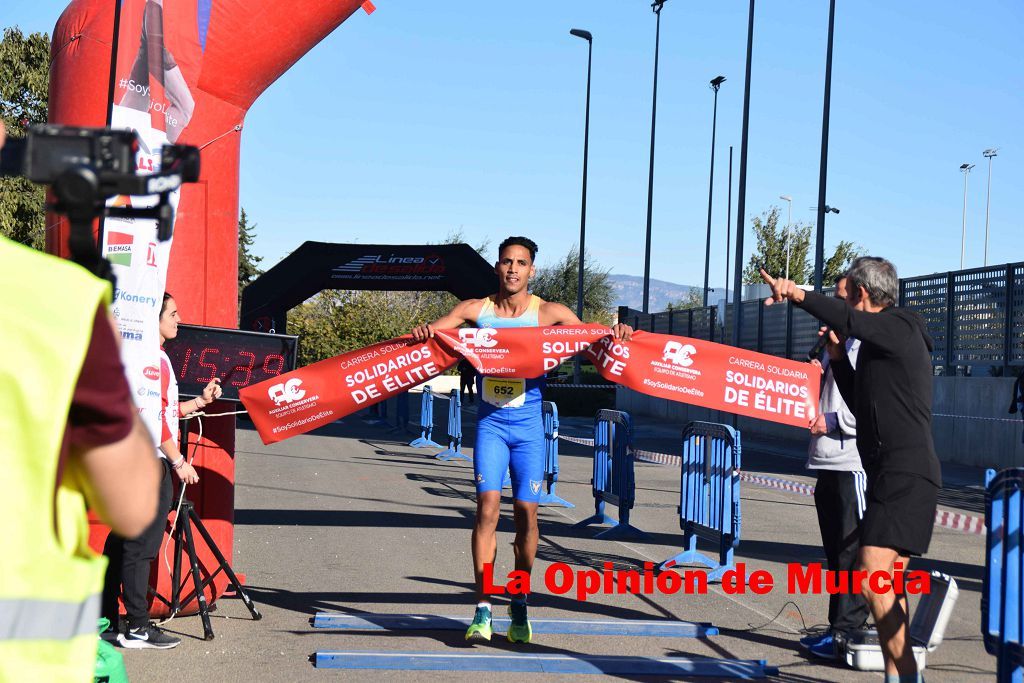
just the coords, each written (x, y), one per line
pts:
(716, 83)
(585, 35)
(728, 230)
(741, 196)
(988, 154)
(828, 210)
(656, 6)
(966, 170)
(789, 223)
(819, 243)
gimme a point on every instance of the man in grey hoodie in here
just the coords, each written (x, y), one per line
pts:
(838, 498)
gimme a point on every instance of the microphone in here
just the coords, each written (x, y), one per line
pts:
(820, 345)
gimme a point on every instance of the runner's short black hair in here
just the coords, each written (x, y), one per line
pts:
(530, 245)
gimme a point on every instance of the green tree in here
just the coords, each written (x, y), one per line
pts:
(694, 299)
(458, 237)
(770, 252)
(24, 83)
(248, 263)
(840, 261)
(336, 321)
(316, 323)
(560, 283)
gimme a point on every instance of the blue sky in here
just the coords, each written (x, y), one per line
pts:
(424, 118)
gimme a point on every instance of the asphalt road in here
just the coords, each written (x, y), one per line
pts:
(348, 519)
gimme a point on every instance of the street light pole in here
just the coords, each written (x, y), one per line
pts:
(656, 6)
(585, 35)
(728, 231)
(819, 242)
(716, 83)
(789, 224)
(741, 200)
(966, 170)
(988, 154)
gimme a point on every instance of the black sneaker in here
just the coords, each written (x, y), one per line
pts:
(149, 636)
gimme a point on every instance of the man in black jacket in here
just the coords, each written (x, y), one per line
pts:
(1017, 400)
(891, 392)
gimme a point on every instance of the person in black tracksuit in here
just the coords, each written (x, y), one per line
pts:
(467, 379)
(891, 395)
(1017, 400)
(839, 499)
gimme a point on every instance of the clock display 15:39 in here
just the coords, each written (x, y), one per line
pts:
(239, 359)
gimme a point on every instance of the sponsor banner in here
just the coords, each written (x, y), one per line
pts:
(158, 58)
(318, 394)
(384, 266)
(713, 376)
(520, 351)
(676, 368)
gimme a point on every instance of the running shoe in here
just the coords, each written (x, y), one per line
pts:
(148, 636)
(480, 629)
(807, 642)
(826, 648)
(519, 630)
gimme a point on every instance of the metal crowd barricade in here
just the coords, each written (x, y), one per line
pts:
(401, 402)
(426, 422)
(549, 497)
(709, 495)
(613, 481)
(1002, 607)
(454, 429)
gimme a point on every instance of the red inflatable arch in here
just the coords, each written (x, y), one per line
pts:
(248, 44)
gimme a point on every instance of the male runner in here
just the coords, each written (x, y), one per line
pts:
(510, 426)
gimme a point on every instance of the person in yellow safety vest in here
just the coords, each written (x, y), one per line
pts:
(71, 436)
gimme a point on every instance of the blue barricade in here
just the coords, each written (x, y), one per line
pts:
(1002, 607)
(401, 402)
(549, 497)
(454, 449)
(709, 495)
(613, 481)
(426, 422)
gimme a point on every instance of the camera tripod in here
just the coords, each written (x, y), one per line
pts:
(184, 542)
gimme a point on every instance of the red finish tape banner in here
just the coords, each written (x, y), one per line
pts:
(691, 371)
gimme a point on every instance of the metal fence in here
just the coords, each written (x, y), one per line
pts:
(697, 323)
(975, 316)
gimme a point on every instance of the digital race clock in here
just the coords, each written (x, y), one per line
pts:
(198, 354)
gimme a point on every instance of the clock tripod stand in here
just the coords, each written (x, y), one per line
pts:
(183, 535)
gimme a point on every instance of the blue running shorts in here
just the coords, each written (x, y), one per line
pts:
(513, 440)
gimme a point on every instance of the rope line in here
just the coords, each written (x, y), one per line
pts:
(957, 521)
(977, 417)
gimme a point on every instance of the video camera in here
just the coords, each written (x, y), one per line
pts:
(87, 166)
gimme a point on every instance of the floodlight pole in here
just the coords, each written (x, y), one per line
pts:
(585, 35)
(728, 232)
(656, 6)
(741, 200)
(819, 242)
(988, 154)
(716, 83)
(966, 170)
